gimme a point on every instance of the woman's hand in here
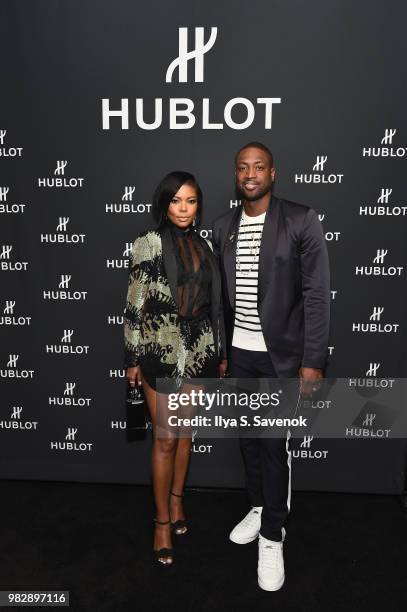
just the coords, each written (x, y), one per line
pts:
(133, 375)
(223, 367)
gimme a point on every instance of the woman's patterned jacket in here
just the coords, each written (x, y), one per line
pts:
(151, 322)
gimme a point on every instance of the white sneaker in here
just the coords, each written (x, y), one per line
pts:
(270, 568)
(248, 529)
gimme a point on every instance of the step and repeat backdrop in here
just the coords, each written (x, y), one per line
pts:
(99, 100)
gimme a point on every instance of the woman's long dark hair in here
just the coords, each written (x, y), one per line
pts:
(166, 190)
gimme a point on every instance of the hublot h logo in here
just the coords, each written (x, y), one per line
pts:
(60, 169)
(3, 193)
(71, 433)
(127, 250)
(306, 443)
(69, 387)
(16, 414)
(381, 254)
(68, 333)
(12, 361)
(63, 222)
(9, 309)
(373, 367)
(128, 193)
(383, 198)
(377, 313)
(197, 54)
(65, 278)
(368, 420)
(320, 163)
(388, 136)
(6, 250)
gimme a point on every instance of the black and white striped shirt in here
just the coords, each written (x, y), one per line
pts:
(247, 332)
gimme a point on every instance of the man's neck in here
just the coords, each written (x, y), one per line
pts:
(254, 209)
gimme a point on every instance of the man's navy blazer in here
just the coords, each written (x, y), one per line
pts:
(293, 285)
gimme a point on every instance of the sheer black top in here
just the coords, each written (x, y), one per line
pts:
(194, 273)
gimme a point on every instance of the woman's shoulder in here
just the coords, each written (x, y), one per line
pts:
(151, 237)
(147, 243)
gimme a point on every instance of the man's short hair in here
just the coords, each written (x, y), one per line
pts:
(256, 145)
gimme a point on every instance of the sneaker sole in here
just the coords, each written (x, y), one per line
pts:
(246, 541)
(274, 587)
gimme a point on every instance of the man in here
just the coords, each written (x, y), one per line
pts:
(276, 297)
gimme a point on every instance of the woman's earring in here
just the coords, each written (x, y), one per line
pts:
(193, 222)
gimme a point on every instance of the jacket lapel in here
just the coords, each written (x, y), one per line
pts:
(268, 247)
(216, 288)
(170, 262)
(229, 255)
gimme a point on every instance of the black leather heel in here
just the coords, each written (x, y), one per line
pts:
(180, 524)
(167, 553)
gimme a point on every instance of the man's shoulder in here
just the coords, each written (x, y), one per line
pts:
(225, 218)
(294, 208)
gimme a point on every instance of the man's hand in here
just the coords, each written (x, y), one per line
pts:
(309, 380)
(223, 367)
(133, 375)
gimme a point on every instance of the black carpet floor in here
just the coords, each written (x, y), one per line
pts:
(342, 551)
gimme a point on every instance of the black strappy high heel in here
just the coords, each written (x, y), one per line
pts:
(180, 524)
(163, 552)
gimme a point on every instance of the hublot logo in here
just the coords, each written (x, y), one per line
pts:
(318, 176)
(69, 398)
(329, 236)
(6, 264)
(115, 319)
(366, 430)
(121, 263)
(372, 383)
(379, 270)
(6, 207)
(383, 211)
(64, 292)
(377, 326)
(117, 373)
(386, 151)
(127, 205)
(9, 318)
(182, 112)
(16, 422)
(306, 452)
(8, 151)
(61, 180)
(66, 348)
(63, 238)
(13, 372)
(71, 444)
(199, 448)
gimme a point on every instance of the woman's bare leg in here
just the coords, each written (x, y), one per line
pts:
(181, 464)
(162, 467)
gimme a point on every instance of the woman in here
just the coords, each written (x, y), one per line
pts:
(173, 327)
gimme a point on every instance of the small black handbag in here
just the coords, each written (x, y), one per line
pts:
(136, 413)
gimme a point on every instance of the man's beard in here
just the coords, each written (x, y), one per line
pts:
(253, 198)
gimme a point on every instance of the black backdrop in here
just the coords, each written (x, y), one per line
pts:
(74, 195)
